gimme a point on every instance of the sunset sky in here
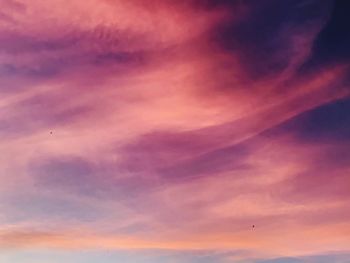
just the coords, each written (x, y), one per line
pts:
(174, 131)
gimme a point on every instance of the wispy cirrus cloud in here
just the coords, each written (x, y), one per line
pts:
(128, 125)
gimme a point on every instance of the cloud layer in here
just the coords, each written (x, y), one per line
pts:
(175, 126)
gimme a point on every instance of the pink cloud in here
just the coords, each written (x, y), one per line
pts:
(178, 125)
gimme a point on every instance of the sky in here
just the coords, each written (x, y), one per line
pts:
(175, 131)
